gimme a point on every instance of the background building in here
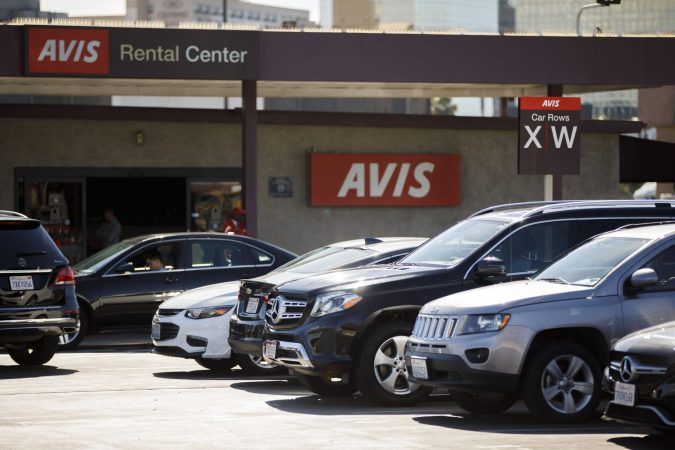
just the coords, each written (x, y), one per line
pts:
(12, 9)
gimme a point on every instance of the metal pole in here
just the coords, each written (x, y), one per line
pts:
(249, 154)
(582, 9)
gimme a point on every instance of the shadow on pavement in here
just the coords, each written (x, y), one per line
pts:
(14, 372)
(652, 441)
(280, 384)
(205, 374)
(523, 423)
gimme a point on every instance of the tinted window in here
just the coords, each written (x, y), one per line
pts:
(590, 228)
(261, 258)
(164, 256)
(99, 259)
(224, 253)
(664, 266)
(27, 240)
(531, 248)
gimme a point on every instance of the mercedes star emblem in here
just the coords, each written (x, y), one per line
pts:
(22, 262)
(627, 371)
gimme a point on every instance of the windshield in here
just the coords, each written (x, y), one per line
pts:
(588, 264)
(100, 259)
(325, 258)
(453, 245)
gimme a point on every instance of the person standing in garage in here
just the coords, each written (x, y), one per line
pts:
(110, 230)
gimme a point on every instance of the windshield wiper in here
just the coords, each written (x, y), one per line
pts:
(32, 253)
(554, 280)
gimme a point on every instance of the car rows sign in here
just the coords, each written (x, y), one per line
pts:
(141, 53)
(549, 135)
(384, 179)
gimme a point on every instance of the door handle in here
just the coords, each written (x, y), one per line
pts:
(170, 280)
(245, 275)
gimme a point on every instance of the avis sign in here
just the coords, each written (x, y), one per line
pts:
(68, 51)
(549, 135)
(384, 179)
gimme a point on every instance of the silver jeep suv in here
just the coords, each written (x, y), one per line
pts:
(546, 339)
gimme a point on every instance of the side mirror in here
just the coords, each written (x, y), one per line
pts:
(125, 267)
(643, 278)
(490, 267)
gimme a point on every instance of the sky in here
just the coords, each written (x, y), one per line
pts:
(118, 7)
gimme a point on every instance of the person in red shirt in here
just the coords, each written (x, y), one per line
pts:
(236, 223)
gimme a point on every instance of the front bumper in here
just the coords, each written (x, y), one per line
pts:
(190, 338)
(246, 336)
(652, 415)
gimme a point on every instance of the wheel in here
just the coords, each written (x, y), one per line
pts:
(216, 364)
(323, 388)
(380, 372)
(563, 383)
(72, 340)
(484, 403)
(34, 353)
(256, 365)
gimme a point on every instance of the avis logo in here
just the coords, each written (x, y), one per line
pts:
(551, 103)
(75, 50)
(378, 182)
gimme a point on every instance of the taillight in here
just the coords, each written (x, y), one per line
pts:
(65, 277)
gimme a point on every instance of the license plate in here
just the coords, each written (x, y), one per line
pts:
(22, 283)
(156, 331)
(252, 305)
(624, 394)
(419, 368)
(270, 349)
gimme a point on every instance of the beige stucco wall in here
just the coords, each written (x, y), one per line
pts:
(488, 168)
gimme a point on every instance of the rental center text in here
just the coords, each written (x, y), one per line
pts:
(172, 54)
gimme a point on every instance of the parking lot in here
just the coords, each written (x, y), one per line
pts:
(127, 397)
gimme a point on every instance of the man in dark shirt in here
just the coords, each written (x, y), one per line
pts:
(109, 231)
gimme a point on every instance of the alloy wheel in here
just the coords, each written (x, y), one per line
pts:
(390, 368)
(567, 384)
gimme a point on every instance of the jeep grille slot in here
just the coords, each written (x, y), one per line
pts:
(434, 327)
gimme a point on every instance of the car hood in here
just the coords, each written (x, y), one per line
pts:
(493, 299)
(211, 295)
(357, 278)
(276, 278)
(656, 340)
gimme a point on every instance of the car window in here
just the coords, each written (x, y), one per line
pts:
(531, 248)
(592, 227)
(389, 259)
(218, 253)
(163, 256)
(260, 258)
(664, 266)
(26, 245)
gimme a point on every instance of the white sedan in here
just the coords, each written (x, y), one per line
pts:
(196, 325)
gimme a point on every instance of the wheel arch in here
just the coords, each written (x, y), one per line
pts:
(86, 308)
(402, 313)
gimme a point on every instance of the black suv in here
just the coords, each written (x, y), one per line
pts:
(345, 331)
(37, 291)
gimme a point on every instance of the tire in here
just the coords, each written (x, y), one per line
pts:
(219, 365)
(380, 372)
(323, 388)
(478, 403)
(35, 353)
(70, 341)
(256, 365)
(567, 363)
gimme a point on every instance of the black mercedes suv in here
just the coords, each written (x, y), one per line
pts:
(344, 331)
(37, 291)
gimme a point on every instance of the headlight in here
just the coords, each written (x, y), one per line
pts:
(332, 302)
(482, 323)
(205, 313)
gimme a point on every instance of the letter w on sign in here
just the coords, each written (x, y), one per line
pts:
(384, 179)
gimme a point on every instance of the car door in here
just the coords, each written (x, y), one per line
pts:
(132, 296)
(213, 261)
(652, 305)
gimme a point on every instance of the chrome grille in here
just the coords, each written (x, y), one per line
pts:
(283, 309)
(434, 327)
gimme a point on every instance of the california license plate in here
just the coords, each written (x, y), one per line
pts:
(156, 332)
(22, 283)
(624, 394)
(252, 305)
(419, 368)
(270, 349)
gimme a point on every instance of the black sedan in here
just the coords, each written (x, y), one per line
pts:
(124, 284)
(641, 378)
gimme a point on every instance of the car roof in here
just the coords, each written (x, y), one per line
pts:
(647, 231)
(518, 211)
(382, 244)
(13, 215)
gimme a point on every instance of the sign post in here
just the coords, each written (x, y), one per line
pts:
(549, 138)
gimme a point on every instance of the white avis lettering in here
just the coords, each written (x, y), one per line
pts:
(59, 50)
(378, 181)
(551, 103)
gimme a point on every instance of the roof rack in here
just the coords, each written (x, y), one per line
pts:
(541, 207)
(12, 214)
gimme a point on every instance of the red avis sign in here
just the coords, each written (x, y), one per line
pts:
(68, 50)
(384, 180)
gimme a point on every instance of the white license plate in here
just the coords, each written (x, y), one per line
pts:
(624, 394)
(252, 305)
(156, 332)
(22, 283)
(419, 368)
(270, 349)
